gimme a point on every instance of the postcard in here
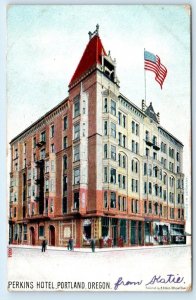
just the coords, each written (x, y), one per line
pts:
(99, 148)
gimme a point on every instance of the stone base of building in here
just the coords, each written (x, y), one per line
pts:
(107, 232)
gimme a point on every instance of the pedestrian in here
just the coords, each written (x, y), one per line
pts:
(68, 245)
(93, 245)
(71, 244)
(44, 243)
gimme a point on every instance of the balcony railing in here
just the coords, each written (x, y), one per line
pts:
(40, 144)
(156, 147)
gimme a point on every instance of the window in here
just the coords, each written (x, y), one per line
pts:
(154, 140)
(136, 148)
(113, 200)
(147, 152)
(77, 107)
(76, 131)
(113, 176)
(64, 205)
(105, 128)
(164, 195)
(154, 155)
(155, 171)
(147, 136)
(43, 154)
(105, 151)
(120, 138)
(160, 191)
(124, 161)
(51, 205)
(29, 174)
(113, 130)
(124, 121)
(145, 187)
(24, 163)
(41, 231)
(105, 105)
(52, 131)
(135, 206)
(137, 129)
(145, 168)
(133, 146)
(156, 207)
(32, 209)
(105, 174)
(113, 152)
(119, 160)
(43, 136)
(76, 176)
(119, 180)
(52, 185)
(177, 156)
(113, 108)
(76, 152)
(133, 126)
(179, 213)
(105, 204)
(33, 190)
(65, 123)
(52, 148)
(25, 232)
(178, 199)
(134, 185)
(34, 142)
(171, 152)
(47, 168)
(14, 212)
(65, 162)
(124, 204)
(24, 148)
(178, 169)
(119, 118)
(124, 141)
(46, 185)
(64, 184)
(150, 207)
(156, 190)
(65, 142)
(172, 213)
(150, 188)
(76, 200)
(52, 166)
(29, 191)
(123, 182)
(145, 207)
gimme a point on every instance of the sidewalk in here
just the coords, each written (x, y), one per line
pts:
(88, 250)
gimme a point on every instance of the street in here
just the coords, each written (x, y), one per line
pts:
(128, 269)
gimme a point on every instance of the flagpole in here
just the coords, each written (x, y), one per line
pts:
(144, 79)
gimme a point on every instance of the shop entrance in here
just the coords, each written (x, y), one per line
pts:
(147, 232)
(52, 235)
(133, 233)
(114, 231)
(32, 236)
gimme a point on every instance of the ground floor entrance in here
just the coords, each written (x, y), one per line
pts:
(107, 232)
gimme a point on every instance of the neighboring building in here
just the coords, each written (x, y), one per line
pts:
(96, 166)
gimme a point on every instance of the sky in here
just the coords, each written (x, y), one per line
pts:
(45, 44)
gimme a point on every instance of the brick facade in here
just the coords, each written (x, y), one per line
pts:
(96, 166)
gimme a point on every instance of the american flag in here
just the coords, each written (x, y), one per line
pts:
(153, 63)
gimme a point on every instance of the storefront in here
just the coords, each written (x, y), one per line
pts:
(177, 234)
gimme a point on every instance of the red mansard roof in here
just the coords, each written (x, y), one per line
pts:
(91, 56)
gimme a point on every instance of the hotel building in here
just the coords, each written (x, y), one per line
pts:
(96, 166)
